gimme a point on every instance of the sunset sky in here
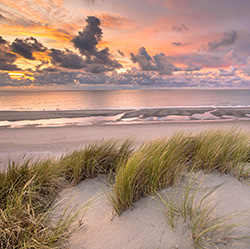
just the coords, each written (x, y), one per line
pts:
(117, 44)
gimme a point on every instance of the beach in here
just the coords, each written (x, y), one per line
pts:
(32, 141)
(143, 226)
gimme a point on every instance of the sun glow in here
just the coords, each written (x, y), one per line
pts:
(20, 76)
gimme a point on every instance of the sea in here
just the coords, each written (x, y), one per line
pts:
(96, 99)
(120, 99)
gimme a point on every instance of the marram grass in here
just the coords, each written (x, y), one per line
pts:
(96, 159)
(28, 191)
(154, 165)
(158, 164)
(193, 205)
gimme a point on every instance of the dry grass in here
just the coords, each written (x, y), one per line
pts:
(27, 191)
(158, 164)
(99, 158)
(194, 207)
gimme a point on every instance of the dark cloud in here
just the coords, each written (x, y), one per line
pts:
(191, 67)
(2, 41)
(50, 69)
(179, 44)
(7, 59)
(4, 65)
(87, 40)
(228, 39)
(143, 59)
(159, 62)
(180, 28)
(26, 47)
(120, 52)
(1, 17)
(164, 65)
(97, 69)
(133, 78)
(103, 57)
(66, 59)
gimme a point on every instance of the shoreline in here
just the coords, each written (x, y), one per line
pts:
(36, 119)
(238, 111)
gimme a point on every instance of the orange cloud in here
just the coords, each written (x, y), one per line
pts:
(58, 35)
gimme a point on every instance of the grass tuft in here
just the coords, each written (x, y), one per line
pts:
(155, 165)
(96, 159)
(27, 192)
(221, 150)
(194, 205)
(158, 164)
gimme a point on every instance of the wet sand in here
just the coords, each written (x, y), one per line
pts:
(238, 112)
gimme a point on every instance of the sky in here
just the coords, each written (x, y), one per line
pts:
(122, 44)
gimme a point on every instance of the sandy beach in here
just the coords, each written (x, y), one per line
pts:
(144, 226)
(29, 140)
(32, 142)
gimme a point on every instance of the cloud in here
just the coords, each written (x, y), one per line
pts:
(231, 55)
(7, 58)
(163, 65)
(97, 69)
(86, 42)
(229, 38)
(121, 53)
(180, 28)
(231, 72)
(246, 69)
(191, 67)
(159, 62)
(180, 44)
(1, 17)
(26, 47)
(115, 21)
(89, 2)
(5, 65)
(2, 41)
(143, 59)
(87, 39)
(66, 59)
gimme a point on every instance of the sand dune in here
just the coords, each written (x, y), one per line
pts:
(145, 226)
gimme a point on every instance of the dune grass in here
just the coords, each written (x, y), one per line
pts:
(26, 194)
(154, 165)
(27, 191)
(158, 164)
(194, 207)
(219, 150)
(96, 159)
